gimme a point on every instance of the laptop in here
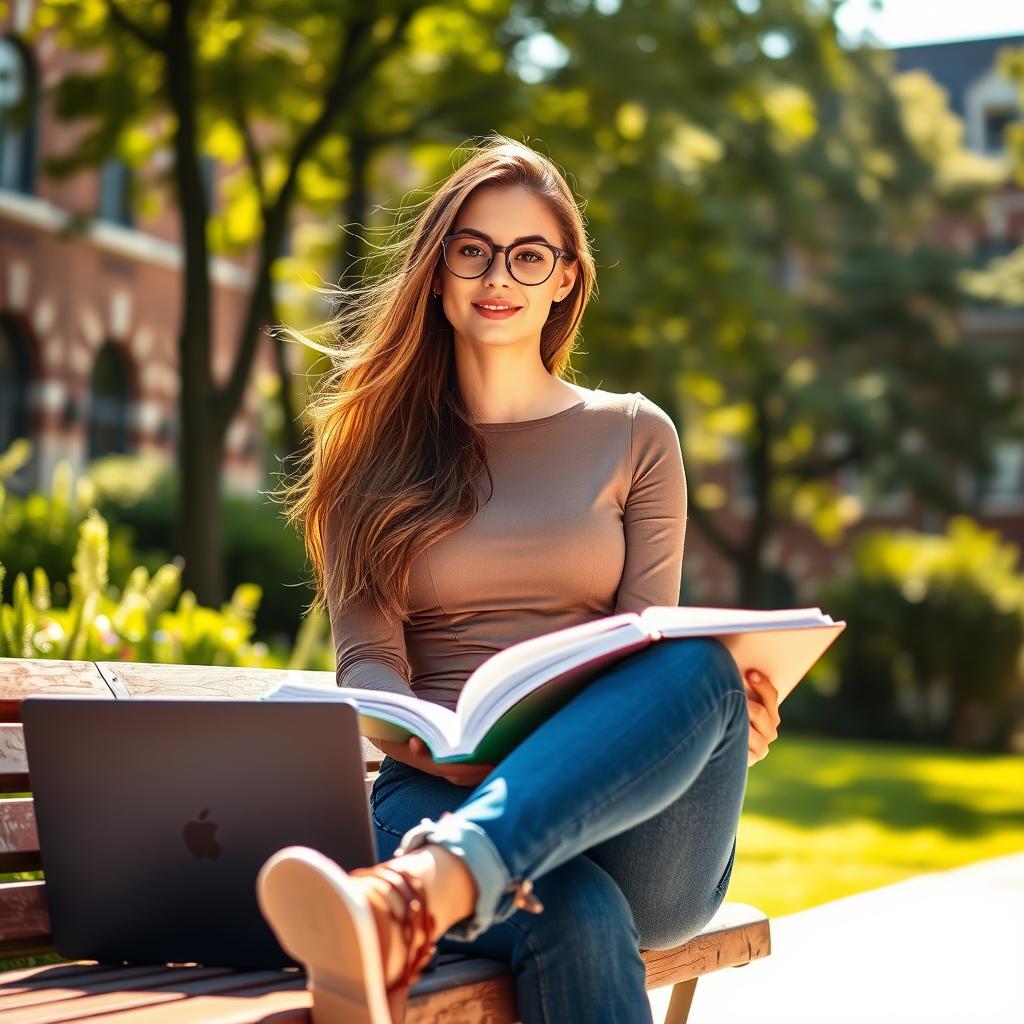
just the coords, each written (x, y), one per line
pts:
(155, 816)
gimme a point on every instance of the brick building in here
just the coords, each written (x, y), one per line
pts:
(90, 292)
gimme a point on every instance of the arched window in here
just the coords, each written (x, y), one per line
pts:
(110, 404)
(19, 115)
(15, 378)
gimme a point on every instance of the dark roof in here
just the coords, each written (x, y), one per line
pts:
(954, 65)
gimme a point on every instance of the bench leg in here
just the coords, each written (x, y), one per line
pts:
(679, 1005)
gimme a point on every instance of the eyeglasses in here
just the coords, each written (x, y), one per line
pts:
(529, 263)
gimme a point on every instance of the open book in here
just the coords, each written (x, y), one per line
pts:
(516, 689)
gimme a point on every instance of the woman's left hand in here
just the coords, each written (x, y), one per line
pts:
(763, 709)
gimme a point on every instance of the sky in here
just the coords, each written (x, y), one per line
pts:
(890, 22)
(908, 22)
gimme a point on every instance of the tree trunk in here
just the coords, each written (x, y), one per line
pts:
(201, 438)
(356, 203)
(750, 568)
(200, 455)
(750, 580)
(291, 439)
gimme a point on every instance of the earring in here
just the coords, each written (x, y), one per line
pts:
(437, 294)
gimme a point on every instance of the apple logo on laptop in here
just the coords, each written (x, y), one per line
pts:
(199, 837)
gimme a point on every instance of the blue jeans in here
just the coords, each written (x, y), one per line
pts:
(621, 810)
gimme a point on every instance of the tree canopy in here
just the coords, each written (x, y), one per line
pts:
(760, 199)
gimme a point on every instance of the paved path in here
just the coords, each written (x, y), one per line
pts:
(941, 948)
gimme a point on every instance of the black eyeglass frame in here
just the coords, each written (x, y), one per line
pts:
(564, 254)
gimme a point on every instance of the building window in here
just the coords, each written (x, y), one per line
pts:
(115, 204)
(743, 481)
(110, 404)
(993, 126)
(19, 114)
(990, 249)
(990, 102)
(15, 379)
(852, 481)
(1005, 484)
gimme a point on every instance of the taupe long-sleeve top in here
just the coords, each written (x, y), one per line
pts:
(586, 520)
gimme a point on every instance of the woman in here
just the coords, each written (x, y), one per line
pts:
(612, 827)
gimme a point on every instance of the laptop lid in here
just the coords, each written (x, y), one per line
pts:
(155, 816)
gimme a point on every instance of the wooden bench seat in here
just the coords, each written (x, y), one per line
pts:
(458, 990)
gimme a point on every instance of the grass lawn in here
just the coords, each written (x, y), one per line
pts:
(828, 818)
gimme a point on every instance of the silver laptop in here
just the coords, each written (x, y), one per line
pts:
(155, 816)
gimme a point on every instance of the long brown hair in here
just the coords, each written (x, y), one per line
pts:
(394, 456)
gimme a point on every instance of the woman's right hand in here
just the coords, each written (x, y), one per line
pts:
(415, 754)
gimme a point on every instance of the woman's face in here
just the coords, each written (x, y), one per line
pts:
(504, 215)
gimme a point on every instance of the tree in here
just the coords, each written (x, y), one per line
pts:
(936, 634)
(736, 148)
(278, 88)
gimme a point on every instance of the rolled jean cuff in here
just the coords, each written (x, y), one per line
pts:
(495, 889)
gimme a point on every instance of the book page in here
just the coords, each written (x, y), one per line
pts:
(489, 745)
(385, 714)
(578, 662)
(694, 621)
(529, 659)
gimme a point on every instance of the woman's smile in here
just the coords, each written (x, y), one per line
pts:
(497, 310)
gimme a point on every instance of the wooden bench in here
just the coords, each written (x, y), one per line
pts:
(459, 990)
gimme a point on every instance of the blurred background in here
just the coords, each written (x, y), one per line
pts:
(808, 219)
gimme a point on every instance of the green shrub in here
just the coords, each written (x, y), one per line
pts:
(137, 498)
(150, 620)
(40, 531)
(139, 614)
(933, 649)
(259, 546)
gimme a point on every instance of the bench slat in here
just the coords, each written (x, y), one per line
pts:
(173, 986)
(137, 679)
(13, 759)
(22, 677)
(284, 1004)
(19, 841)
(70, 975)
(459, 969)
(736, 935)
(463, 988)
(24, 918)
(101, 981)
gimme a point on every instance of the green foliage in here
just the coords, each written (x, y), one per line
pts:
(767, 273)
(151, 620)
(292, 101)
(259, 547)
(934, 648)
(40, 531)
(758, 193)
(137, 498)
(139, 614)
